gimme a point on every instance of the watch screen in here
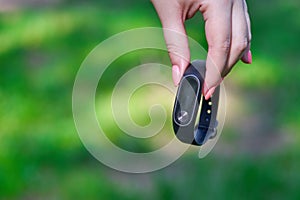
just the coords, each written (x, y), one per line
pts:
(186, 100)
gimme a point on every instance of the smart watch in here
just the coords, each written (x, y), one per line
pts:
(186, 111)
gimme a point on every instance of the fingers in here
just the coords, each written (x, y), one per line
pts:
(218, 34)
(227, 27)
(240, 37)
(175, 36)
(247, 57)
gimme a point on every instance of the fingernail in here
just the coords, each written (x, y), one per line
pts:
(176, 74)
(249, 57)
(205, 89)
(209, 93)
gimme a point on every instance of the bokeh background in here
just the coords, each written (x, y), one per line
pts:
(43, 43)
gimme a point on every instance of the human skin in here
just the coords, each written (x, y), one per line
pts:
(227, 30)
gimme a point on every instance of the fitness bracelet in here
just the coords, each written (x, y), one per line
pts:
(186, 107)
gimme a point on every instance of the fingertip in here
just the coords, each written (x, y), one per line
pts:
(247, 57)
(205, 88)
(210, 93)
(176, 74)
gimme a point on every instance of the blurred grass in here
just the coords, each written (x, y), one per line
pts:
(41, 156)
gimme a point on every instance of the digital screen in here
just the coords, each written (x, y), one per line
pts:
(186, 100)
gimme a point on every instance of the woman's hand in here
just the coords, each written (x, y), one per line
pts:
(227, 29)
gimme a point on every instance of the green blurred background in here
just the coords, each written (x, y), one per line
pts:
(42, 44)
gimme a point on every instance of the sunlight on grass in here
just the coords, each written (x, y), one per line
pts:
(262, 73)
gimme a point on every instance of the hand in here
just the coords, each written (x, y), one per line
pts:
(227, 29)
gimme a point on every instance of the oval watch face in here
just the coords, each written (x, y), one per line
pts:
(186, 100)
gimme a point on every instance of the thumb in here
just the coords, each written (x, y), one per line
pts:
(177, 44)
